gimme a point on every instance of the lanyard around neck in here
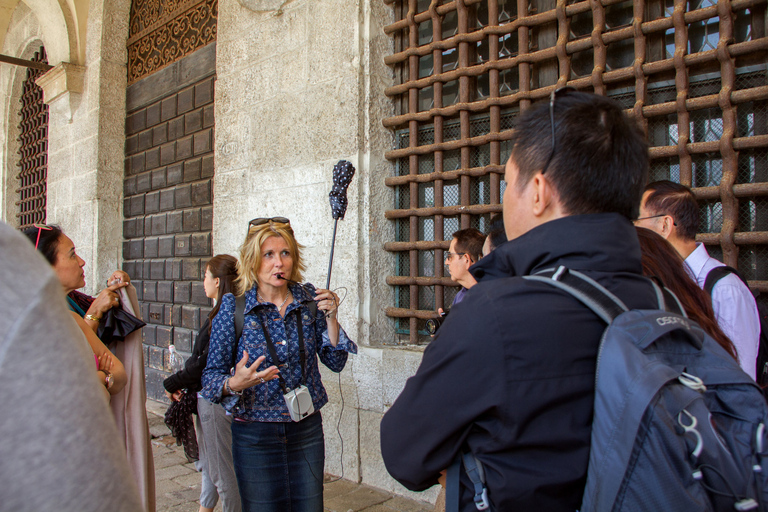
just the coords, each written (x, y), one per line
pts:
(273, 352)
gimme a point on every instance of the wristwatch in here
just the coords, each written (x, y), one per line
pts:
(109, 380)
(93, 318)
(230, 390)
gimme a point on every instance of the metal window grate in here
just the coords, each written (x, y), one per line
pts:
(33, 149)
(693, 72)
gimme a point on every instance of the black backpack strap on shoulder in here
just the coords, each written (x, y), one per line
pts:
(452, 486)
(671, 302)
(239, 318)
(716, 274)
(588, 291)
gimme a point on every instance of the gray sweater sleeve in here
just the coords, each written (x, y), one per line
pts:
(59, 448)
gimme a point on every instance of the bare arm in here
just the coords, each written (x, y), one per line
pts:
(98, 348)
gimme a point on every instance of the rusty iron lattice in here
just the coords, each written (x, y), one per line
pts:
(164, 31)
(33, 149)
(693, 73)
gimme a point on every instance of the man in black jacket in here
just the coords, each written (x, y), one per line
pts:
(510, 375)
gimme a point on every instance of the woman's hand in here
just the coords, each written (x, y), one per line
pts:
(119, 275)
(248, 376)
(106, 362)
(175, 396)
(105, 300)
(328, 302)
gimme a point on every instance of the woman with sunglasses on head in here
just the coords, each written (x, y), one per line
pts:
(59, 250)
(279, 454)
(213, 425)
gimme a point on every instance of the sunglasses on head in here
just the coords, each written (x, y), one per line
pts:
(265, 220)
(40, 228)
(561, 91)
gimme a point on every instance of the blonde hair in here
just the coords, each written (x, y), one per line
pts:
(250, 254)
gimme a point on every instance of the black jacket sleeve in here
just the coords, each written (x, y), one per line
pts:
(190, 376)
(428, 423)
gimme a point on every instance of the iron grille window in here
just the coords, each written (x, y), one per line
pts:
(692, 72)
(33, 149)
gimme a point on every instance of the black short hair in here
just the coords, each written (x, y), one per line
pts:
(676, 200)
(600, 162)
(470, 241)
(49, 240)
(497, 232)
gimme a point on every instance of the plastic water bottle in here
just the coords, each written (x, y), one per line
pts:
(175, 359)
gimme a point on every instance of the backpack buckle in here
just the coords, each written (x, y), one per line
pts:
(481, 500)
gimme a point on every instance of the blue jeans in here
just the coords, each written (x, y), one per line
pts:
(279, 466)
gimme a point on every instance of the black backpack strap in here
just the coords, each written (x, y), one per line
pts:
(588, 291)
(717, 273)
(474, 469)
(239, 316)
(302, 350)
(672, 303)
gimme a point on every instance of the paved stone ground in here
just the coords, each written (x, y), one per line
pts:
(178, 484)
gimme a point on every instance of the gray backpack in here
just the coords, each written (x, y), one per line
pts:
(677, 425)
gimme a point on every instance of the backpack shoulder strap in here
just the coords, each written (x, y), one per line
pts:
(476, 474)
(716, 274)
(592, 294)
(239, 318)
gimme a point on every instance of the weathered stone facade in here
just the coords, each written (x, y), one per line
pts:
(298, 86)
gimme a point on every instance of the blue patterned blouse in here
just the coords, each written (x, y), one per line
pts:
(264, 402)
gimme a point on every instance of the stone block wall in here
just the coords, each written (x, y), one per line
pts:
(299, 88)
(168, 205)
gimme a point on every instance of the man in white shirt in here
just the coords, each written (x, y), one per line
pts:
(671, 210)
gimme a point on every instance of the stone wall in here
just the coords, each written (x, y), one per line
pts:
(168, 204)
(299, 88)
(22, 40)
(85, 133)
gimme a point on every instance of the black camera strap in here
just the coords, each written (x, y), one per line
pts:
(273, 351)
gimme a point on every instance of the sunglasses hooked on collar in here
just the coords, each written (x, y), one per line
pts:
(40, 228)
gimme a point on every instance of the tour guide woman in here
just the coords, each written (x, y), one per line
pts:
(278, 461)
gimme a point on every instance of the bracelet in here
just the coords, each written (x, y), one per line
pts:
(230, 390)
(92, 318)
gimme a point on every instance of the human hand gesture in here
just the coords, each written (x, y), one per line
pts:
(106, 299)
(119, 275)
(248, 376)
(106, 362)
(327, 301)
(175, 396)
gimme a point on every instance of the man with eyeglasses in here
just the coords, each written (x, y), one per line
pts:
(670, 209)
(510, 376)
(465, 249)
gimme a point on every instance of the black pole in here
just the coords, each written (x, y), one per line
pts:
(330, 263)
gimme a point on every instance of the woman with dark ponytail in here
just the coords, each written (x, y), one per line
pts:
(213, 425)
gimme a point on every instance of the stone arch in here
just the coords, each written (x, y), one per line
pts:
(63, 24)
(22, 37)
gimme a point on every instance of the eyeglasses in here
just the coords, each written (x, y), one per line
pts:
(655, 217)
(449, 255)
(264, 220)
(40, 228)
(552, 97)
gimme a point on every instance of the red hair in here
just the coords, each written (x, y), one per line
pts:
(662, 261)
